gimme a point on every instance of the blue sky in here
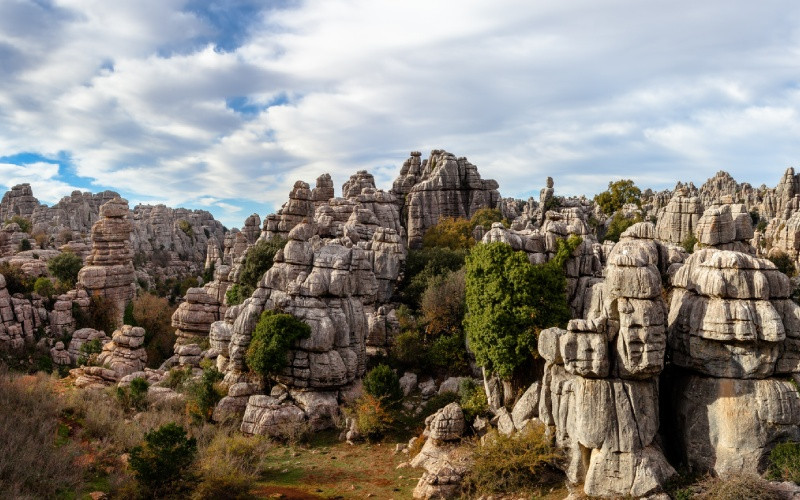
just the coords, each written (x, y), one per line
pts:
(222, 105)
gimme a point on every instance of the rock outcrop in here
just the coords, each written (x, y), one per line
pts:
(109, 269)
(125, 353)
(680, 217)
(735, 334)
(300, 207)
(444, 461)
(600, 387)
(442, 186)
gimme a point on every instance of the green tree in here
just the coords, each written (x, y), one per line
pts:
(160, 463)
(257, 261)
(44, 287)
(382, 382)
(274, 334)
(618, 194)
(65, 268)
(619, 223)
(509, 301)
(486, 217)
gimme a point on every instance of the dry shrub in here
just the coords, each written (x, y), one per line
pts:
(154, 314)
(372, 416)
(519, 463)
(230, 465)
(744, 487)
(33, 464)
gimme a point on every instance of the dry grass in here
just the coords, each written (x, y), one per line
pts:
(36, 456)
(745, 487)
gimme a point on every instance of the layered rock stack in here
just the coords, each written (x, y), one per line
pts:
(726, 227)
(19, 318)
(600, 388)
(18, 201)
(446, 187)
(193, 318)
(323, 191)
(109, 269)
(734, 335)
(444, 462)
(125, 353)
(680, 217)
(300, 207)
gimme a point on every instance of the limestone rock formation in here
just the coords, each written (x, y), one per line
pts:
(680, 218)
(736, 333)
(18, 201)
(599, 393)
(300, 207)
(125, 353)
(193, 318)
(109, 269)
(726, 227)
(81, 337)
(444, 461)
(442, 186)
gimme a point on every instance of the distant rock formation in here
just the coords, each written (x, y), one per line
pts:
(109, 269)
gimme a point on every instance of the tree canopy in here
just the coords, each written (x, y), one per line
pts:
(618, 194)
(509, 301)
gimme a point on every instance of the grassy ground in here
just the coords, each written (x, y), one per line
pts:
(328, 468)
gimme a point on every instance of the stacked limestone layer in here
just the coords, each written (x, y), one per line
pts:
(735, 333)
(61, 320)
(330, 285)
(125, 353)
(726, 227)
(194, 316)
(11, 237)
(81, 337)
(680, 217)
(19, 319)
(300, 207)
(18, 201)
(600, 387)
(444, 461)
(382, 327)
(72, 217)
(109, 269)
(443, 186)
(323, 191)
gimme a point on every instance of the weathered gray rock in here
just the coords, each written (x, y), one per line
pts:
(125, 353)
(680, 218)
(444, 461)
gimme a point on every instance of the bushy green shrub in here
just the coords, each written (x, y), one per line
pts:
(514, 464)
(274, 334)
(186, 227)
(232, 295)
(448, 353)
(24, 245)
(208, 273)
(473, 400)
(784, 462)
(784, 263)
(443, 302)
(205, 394)
(133, 397)
(44, 287)
(160, 463)
(761, 226)
(154, 314)
(689, 243)
(619, 223)
(382, 382)
(509, 301)
(65, 268)
(424, 264)
(24, 224)
(619, 193)
(257, 261)
(87, 350)
(408, 349)
(16, 280)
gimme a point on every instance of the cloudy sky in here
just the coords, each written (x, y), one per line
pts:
(223, 104)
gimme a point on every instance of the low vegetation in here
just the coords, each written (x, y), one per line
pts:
(65, 267)
(274, 334)
(257, 261)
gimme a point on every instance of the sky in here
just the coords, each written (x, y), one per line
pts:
(222, 104)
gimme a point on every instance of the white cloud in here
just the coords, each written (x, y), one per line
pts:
(136, 93)
(40, 175)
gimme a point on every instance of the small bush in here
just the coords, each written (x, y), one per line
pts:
(233, 296)
(16, 280)
(24, 224)
(619, 223)
(205, 394)
(761, 226)
(230, 465)
(486, 217)
(186, 227)
(424, 264)
(161, 462)
(41, 239)
(784, 263)
(382, 383)
(689, 242)
(523, 462)
(408, 349)
(618, 194)
(444, 302)
(88, 351)
(24, 245)
(100, 315)
(784, 462)
(65, 268)
(372, 417)
(451, 233)
(44, 287)
(448, 352)
(257, 261)
(473, 400)
(274, 334)
(208, 273)
(154, 314)
(134, 396)
(177, 378)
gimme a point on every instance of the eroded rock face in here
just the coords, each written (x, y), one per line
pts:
(442, 186)
(736, 335)
(125, 353)
(193, 318)
(300, 207)
(680, 218)
(109, 269)
(18, 201)
(599, 393)
(444, 461)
